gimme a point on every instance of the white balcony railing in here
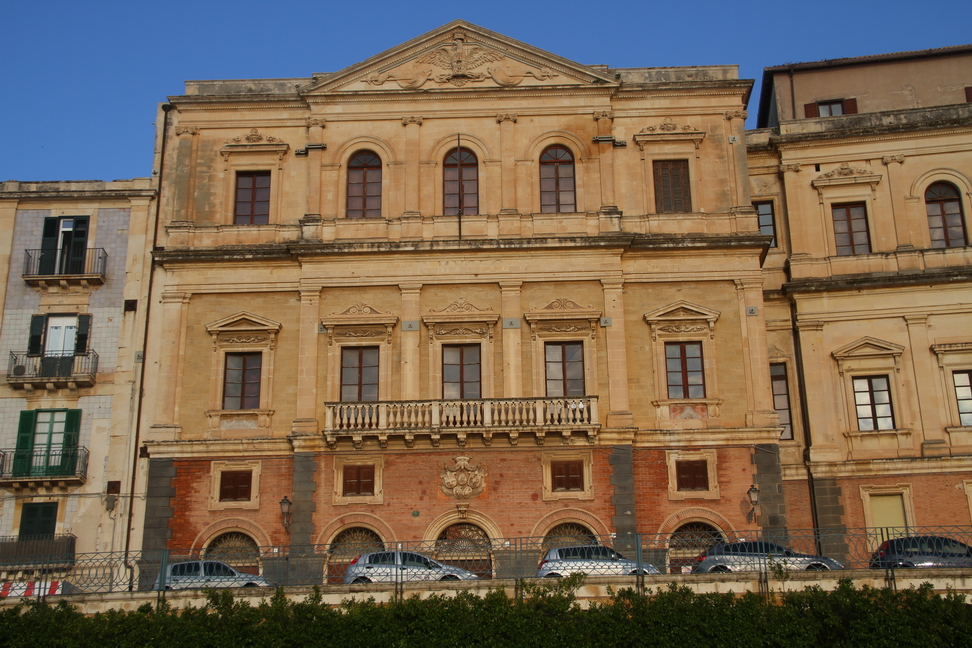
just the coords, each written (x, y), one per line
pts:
(468, 415)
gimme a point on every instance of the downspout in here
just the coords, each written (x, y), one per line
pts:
(148, 309)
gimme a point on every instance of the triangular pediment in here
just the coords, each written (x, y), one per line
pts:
(242, 321)
(682, 311)
(458, 56)
(868, 347)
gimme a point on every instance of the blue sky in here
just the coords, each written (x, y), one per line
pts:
(81, 80)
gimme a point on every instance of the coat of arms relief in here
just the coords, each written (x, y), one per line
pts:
(459, 63)
(463, 481)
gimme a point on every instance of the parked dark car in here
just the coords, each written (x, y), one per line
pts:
(921, 551)
(757, 555)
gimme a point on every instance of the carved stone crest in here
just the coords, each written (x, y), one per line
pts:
(463, 481)
(845, 171)
(253, 137)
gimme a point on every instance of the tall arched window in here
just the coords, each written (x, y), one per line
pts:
(557, 193)
(946, 223)
(460, 183)
(364, 185)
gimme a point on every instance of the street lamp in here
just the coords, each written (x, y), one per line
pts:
(753, 494)
(285, 505)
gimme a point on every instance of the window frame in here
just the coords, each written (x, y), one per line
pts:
(567, 475)
(582, 457)
(853, 247)
(359, 479)
(784, 377)
(252, 216)
(813, 110)
(684, 372)
(556, 163)
(244, 400)
(462, 155)
(339, 497)
(361, 366)
(675, 457)
(235, 480)
(772, 220)
(25, 459)
(872, 404)
(962, 240)
(362, 213)
(902, 489)
(38, 506)
(564, 364)
(461, 322)
(964, 418)
(681, 205)
(462, 382)
(216, 470)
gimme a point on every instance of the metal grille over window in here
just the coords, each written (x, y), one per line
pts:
(872, 397)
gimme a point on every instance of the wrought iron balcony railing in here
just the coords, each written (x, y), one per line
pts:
(460, 416)
(44, 464)
(79, 368)
(25, 551)
(66, 264)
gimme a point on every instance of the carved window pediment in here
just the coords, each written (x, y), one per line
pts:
(868, 353)
(359, 321)
(254, 142)
(563, 316)
(669, 131)
(243, 329)
(461, 319)
(681, 318)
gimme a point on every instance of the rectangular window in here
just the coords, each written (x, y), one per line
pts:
(565, 369)
(850, 229)
(567, 475)
(872, 397)
(781, 398)
(461, 372)
(241, 383)
(38, 520)
(767, 220)
(359, 480)
(692, 475)
(64, 245)
(47, 443)
(963, 394)
(359, 374)
(832, 108)
(235, 485)
(673, 193)
(252, 198)
(686, 375)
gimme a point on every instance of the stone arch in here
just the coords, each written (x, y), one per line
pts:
(689, 540)
(467, 545)
(534, 148)
(697, 515)
(346, 546)
(447, 519)
(365, 520)
(226, 525)
(961, 181)
(346, 149)
(569, 515)
(438, 150)
(235, 548)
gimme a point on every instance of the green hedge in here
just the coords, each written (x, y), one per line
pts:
(546, 615)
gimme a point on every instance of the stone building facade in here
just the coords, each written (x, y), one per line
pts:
(465, 288)
(866, 166)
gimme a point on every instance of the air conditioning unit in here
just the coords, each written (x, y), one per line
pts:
(19, 370)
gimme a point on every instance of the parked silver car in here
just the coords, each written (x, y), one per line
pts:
(392, 566)
(757, 555)
(593, 560)
(921, 551)
(206, 573)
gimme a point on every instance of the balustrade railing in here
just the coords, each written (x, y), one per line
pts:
(66, 262)
(462, 414)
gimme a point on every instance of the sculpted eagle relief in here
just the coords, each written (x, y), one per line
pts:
(458, 60)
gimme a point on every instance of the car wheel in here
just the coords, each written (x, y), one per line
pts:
(552, 576)
(817, 567)
(359, 580)
(449, 577)
(719, 569)
(250, 585)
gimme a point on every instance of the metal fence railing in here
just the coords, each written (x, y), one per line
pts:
(631, 557)
(53, 262)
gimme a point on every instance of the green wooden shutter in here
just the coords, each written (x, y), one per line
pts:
(81, 340)
(23, 455)
(37, 325)
(49, 245)
(69, 449)
(38, 520)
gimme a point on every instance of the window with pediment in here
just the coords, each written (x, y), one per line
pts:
(358, 339)
(251, 168)
(564, 335)
(461, 350)
(683, 336)
(242, 374)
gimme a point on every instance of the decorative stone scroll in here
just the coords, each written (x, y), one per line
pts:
(668, 131)
(359, 321)
(845, 174)
(463, 481)
(254, 142)
(243, 329)
(461, 318)
(682, 317)
(563, 316)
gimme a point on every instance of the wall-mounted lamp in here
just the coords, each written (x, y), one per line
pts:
(110, 502)
(285, 505)
(753, 494)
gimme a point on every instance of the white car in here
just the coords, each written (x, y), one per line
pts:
(192, 574)
(593, 560)
(392, 566)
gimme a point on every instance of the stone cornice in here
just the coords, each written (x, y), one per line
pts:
(877, 467)
(856, 282)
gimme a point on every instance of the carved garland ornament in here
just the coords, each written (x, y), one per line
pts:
(253, 137)
(463, 481)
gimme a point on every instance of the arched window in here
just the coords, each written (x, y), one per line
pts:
(467, 546)
(688, 541)
(568, 534)
(237, 550)
(364, 185)
(557, 193)
(460, 183)
(946, 223)
(348, 545)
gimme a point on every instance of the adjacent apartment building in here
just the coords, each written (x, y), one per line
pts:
(862, 171)
(73, 270)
